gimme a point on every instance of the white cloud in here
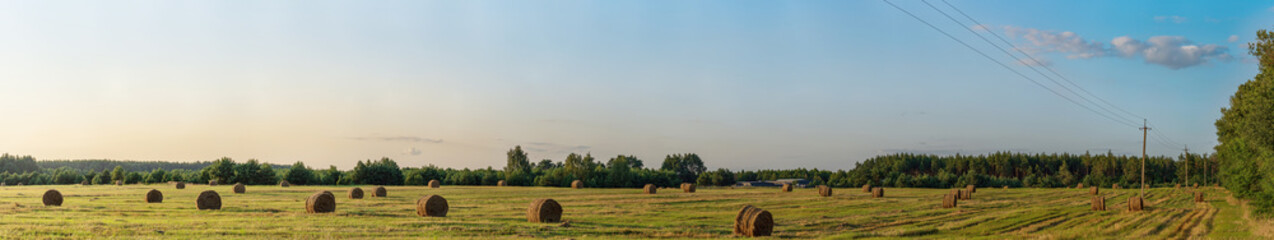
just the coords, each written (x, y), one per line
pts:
(1233, 38)
(1174, 52)
(400, 139)
(980, 27)
(1173, 19)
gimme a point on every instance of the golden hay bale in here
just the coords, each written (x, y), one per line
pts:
(239, 188)
(434, 183)
(380, 192)
(154, 196)
(688, 187)
(1005, 187)
(877, 192)
(787, 187)
(753, 222)
(181, 185)
(1092, 190)
(500, 183)
(320, 202)
(867, 188)
(949, 200)
(212, 183)
(208, 200)
(577, 184)
(1196, 185)
(1080, 186)
(1198, 196)
(52, 198)
(285, 183)
(431, 206)
(1115, 186)
(1178, 186)
(824, 190)
(119, 182)
(971, 188)
(649, 189)
(1135, 204)
(1099, 203)
(544, 210)
(965, 195)
(356, 193)
(86, 183)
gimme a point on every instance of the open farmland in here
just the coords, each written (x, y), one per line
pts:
(272, 212)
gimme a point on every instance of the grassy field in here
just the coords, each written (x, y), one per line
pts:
(272, 212)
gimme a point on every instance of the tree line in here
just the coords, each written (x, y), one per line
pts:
(1246, 133)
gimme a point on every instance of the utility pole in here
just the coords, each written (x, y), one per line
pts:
(1187, 165)
(1144, 130)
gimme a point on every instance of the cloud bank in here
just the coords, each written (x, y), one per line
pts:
(1174, 52)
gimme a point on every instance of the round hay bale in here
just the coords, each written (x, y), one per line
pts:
(1196, 185)
(20, 184)
(544, 210)
(649, 189)
(356, 193)
(52, 198)
(320, 202)
(753, 222)
(431, 206)
(1135, 204)
(1178, 186)
(1198, 196)
(239, 188)
(212, 183)
(285, 183)
(1080, 186)
(1092, 190)
(577, 184)
(181, 185)
(949, 200)
(688, 187)
(877, 192)
(119, 182)
(1099, 203)
(434, 183)
(867, 188)
(1115, 186)
(500, 183)
(971, 188)
(824, 190)
(965, 195)
(86, 183)
(208, 200)
(787, 187)
(380, 192)
(154, 196)
(1005, 187)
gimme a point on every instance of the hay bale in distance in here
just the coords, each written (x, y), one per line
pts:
(1178, 186)
(1135, 204)
(1004, 187)
(577, 184)
(965, 195)
(1080, 186)
(649, 189)
(431, 206)
(971, 188)
(119, 182)
(86, 183)
(181, 185)
(356, 193)
(824, 190)
(877, 192)
(212, 183)
(1198, 196)
(688, 187)
(380, 192)
(500, 183)
(239, 188)
(208, 200)
(285, 183)
(867, 188)
(52, 198)
(753, 222)
(544, 210)
(949, 200)
(1196, 185)
(320, 202)
(1099, 203)
(154, 196)
(1093, 191)
(1115, 186)
(434, 183)
(787, 187)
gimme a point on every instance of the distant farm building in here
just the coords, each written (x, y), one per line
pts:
(796, 182)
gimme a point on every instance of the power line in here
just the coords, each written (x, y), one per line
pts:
(1029, 66)
(1037, 62)
(988, 57)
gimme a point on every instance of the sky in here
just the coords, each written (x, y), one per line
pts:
(743, 84)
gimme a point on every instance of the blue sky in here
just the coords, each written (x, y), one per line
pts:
(745, 84)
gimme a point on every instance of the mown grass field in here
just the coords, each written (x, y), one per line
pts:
(272, 212)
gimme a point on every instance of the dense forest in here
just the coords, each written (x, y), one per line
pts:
(1246, 133)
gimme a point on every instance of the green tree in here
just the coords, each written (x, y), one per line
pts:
(687, 166)
(299, 174)
(156, 176)
(221, 170)
(118, 174)
(1246, 152)
(517, 171)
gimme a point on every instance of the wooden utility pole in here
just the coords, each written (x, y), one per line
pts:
(1187, 165)
(1144, 130)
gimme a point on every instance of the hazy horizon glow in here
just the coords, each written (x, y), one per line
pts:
(746, 85)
